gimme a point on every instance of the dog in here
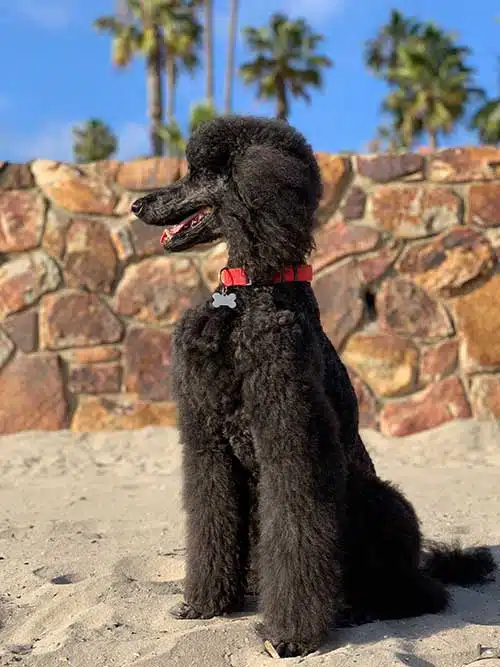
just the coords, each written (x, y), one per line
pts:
(281, 496)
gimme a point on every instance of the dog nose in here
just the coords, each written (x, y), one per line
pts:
(137, 207)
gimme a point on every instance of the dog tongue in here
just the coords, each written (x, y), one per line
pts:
(174, 229)
(177, 228)
(168, 233)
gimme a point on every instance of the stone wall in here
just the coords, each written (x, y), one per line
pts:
(406, 274)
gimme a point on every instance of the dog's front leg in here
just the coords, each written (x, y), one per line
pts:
(216, 530)
(301, 492)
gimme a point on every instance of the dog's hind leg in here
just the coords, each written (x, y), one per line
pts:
(383, 579)
(217, 523)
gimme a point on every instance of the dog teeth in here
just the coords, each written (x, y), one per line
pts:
(166, 236)
(192, 221)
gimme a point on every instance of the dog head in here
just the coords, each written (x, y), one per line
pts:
(253, 182)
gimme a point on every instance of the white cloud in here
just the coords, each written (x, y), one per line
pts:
(52, 14)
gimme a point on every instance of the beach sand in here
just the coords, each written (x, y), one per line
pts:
(92, 555)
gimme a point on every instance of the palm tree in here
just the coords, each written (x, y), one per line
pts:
(430, 82)
(381, 52)
(285, 63)
(231, 47)
(92, 141)
(432, 85)
(142, 34)
(172, 132)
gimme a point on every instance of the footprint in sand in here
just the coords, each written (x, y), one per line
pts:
(52, 576)
(19, 649)
(166, 572)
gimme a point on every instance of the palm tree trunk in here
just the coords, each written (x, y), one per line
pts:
(171, 81)
(209, 50)
(433, 141)
(231, 46)
(155, 96)
(282, 109)
(170, 68)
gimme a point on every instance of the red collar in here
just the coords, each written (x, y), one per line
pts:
(304, 273)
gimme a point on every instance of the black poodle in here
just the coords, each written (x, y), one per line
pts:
(282, 498)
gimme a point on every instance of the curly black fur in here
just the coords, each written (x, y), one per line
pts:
(280, 493)
(463, 567)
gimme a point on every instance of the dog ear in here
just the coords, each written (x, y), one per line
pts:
(279, 193)
(275, 182)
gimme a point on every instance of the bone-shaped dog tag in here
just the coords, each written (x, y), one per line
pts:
(228, 300)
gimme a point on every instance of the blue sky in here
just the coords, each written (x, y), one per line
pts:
(55, 71)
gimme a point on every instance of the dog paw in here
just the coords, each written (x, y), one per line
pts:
(290, 649)
(284, 649)
(183, 610)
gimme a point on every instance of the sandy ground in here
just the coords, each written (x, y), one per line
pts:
(92, 555)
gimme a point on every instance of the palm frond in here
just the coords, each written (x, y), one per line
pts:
(201, 112)
(172, 136)
(486, 121)
(109, 24)
(251, 71)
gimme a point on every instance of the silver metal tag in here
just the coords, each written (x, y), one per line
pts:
(224, 299)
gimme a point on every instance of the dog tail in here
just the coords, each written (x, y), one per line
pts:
(455, 565)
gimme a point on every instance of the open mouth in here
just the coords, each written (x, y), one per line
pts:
(185, 225)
